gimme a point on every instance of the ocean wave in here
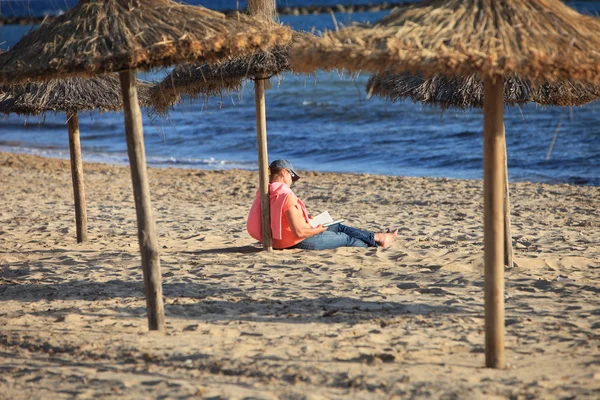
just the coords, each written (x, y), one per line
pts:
(190, 162)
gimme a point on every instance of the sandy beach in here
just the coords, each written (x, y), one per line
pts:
(403, 322)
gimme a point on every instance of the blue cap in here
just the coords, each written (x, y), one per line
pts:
(285, 164)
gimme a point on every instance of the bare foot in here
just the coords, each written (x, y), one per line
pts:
(385, 239)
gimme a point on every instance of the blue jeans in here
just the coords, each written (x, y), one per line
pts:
(338, 235)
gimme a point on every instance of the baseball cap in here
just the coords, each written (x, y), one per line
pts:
(285, 164)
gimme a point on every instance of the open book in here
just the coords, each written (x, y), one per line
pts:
(324, 219)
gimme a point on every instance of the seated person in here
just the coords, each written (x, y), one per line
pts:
(290, 221)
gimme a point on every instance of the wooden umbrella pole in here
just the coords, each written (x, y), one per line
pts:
(266, 11)
(141, 189)
(262, 9)
(508, 248)
(263, 163)
(493, 193)
(77, 175)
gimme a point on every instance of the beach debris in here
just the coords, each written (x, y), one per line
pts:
(564, 279)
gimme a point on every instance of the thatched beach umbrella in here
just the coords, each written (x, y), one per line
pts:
(536, 39)
(467, 92)
(98, 36)
(71, 96)
(208, 79)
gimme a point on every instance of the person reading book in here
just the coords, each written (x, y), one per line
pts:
(290, 222)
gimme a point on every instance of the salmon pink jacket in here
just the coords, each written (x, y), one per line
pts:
(278, 192)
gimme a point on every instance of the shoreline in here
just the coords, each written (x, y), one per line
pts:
(228, 165)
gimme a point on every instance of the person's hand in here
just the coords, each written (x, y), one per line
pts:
(310, 216)
(320, 228)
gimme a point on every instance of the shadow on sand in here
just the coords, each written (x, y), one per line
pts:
(227, 250)
(236, 303)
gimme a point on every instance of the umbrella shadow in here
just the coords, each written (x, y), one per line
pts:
(227, 250)
(325, 309)
(295, 311)
(113, 289)
(236, 304)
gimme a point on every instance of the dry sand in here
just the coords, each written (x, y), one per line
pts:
(404, 322)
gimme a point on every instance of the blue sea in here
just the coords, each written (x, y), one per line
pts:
(323, 123)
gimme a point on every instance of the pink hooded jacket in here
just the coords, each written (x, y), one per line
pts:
(278, 192)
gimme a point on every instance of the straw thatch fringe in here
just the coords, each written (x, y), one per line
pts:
(535, 39)
(457, 92)
(442, 91)
(213, 79)
(189, 80)
(99, 36)
(101, 93)
(209, 80)
(566, 93)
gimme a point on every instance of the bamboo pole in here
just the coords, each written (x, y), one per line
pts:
(493, 154)
(508, 247)
(263, 163)
(77, 176)
(141, 189)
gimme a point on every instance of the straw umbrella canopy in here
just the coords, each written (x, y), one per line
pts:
(98, 36)
(114, 35)
(71, 96)
(539, 40)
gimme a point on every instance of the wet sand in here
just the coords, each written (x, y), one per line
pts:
(403, 322)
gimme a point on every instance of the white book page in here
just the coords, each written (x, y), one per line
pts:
(320, 219)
